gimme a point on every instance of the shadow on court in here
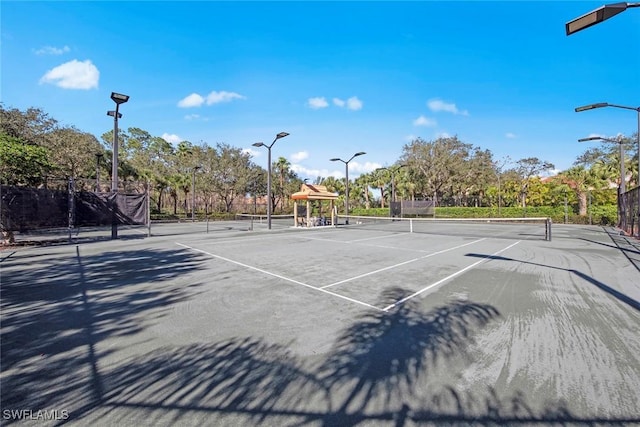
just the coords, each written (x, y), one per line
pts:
(618, 295)
(54, 314)
(378, 371)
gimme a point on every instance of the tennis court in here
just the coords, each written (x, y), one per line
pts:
(365, 324)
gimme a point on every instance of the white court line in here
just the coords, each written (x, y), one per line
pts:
(451, 276)
(374, 238)
(250, 267)
(348, 242)
(402, 263)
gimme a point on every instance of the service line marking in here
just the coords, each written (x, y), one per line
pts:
(297, 282)
(451, 276)
(401, 264)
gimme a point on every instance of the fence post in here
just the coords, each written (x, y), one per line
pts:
(71, 207)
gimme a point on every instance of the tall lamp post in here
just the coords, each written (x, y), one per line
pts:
(193, 193)
(98, 157)
(597, 16)
(118, 98)
(346, 192)
(637, 110)
(262, 144)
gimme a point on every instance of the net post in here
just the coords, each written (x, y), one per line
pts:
(148, 194)
(547, 229)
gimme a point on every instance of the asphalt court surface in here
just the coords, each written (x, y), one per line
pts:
(324, 326)
(355, 265)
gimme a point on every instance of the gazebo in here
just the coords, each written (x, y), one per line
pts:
(311, 193)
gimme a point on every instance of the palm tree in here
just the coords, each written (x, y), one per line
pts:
(379, 179)
(363, 182)
(580, 180)
(282, 167)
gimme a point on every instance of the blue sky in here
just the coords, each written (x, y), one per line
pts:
(340, 77)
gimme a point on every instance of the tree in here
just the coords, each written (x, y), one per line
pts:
(22, 164)
(363, 182)
(31, 126)
(579, 179)
(73, 152)
(528, 168)
(282, 168)
(446, 167)
(230, 172)
(378, 179)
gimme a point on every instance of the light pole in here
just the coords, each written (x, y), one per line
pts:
(597, 16)
(262, 144)
(98, 157)
(346, 192)
(622, 187)
(193, 195)
(118, 98)
(637, 110)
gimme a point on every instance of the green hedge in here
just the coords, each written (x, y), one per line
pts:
(600, 215)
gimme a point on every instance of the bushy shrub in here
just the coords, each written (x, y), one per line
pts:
(600, 215)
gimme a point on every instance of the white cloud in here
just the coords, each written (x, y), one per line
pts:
(193, 100)
(73, 75)
(303, 171)
(354, 103)
(172, 138)
(363, 167)
(355, 170)
(510, 135)
(192, 116)
(299, 156)
(50, 50)
(338, 102)
(318, 102)
(222, 96)
(437, 105)
(443, 135)
(197, 100)
(424, 121)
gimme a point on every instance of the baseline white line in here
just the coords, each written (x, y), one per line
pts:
(451, 276)
(400, 264)
(374, 238)
(250, 267)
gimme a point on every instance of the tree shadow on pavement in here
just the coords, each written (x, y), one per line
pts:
(378, 372)
(608, 289)
(55, 311)
(384, 354)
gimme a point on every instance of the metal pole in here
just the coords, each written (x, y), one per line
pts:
(114, 176)
(621, 198)
(193, 196)
(638, 180)
(148, 209)
(623, 186)
(393, 187)
(346, 192)
(269, 187)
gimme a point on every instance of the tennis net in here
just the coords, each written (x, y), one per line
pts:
(254, 221)
(509, 228)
